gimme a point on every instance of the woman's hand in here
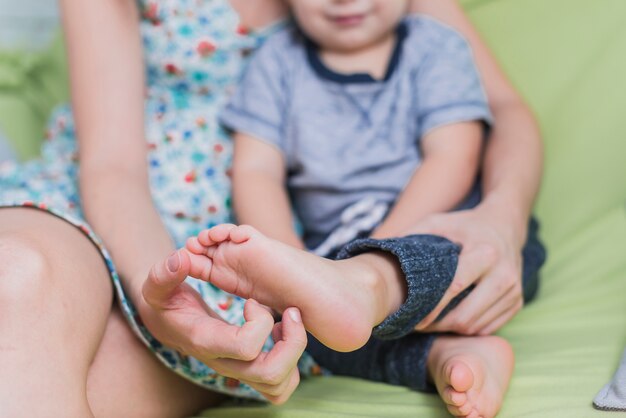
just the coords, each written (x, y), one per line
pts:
(490, 259)
(177, 316)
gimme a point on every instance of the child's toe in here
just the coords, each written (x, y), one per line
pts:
(474, 414)
(460, 411)
(200, 267)
(219, 233)
(459, 376)
(193, 246)
(242, 233)
(452, 397)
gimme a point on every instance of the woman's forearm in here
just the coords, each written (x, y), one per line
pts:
(513, 163)
(107, 83)
(513, 166)
(122, 213)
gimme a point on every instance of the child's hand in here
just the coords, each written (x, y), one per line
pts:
(490, 259)
(177, 316)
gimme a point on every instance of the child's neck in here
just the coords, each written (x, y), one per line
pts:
(372, 59)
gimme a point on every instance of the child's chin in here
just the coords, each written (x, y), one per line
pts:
(350, 40)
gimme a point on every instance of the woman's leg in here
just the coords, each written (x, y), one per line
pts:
(55, 297)
(64, 352)
(127, 380)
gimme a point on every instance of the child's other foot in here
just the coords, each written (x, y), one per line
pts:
(338, 300)
(471, 374)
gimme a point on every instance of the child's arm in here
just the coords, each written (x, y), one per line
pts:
(259, 194)
(451, 157)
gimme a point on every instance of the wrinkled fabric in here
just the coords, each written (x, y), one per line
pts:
(612, 397)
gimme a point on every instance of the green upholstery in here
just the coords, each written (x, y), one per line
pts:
(567, 58)
(31, 84)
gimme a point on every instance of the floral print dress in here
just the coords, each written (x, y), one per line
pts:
(194, 52)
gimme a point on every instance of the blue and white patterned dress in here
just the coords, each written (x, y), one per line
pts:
(194, 54)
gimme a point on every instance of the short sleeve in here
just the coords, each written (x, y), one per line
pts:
(257, 107)
(449, 86)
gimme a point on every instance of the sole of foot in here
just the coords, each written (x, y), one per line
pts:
(336, 298)
(472, 374)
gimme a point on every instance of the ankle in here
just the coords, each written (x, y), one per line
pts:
(384, 280)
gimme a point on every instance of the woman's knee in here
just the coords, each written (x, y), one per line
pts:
(24, 268)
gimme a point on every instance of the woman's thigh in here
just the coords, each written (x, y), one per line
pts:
(55, 298)
(55, 304)
(50, 271)
(127, 380)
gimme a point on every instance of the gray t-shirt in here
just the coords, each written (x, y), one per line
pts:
(349, 137)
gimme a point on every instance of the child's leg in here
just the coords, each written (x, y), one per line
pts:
(383, 360)
(341, 301)
(471, 374)
(482, 365)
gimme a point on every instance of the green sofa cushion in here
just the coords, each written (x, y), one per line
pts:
(31, 84)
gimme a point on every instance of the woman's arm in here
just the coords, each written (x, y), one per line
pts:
(106, 72)
(513, 161)
(107, 93)
(494, 232)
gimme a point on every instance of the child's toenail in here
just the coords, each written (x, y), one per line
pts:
(173, 262)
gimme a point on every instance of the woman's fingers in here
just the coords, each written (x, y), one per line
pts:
(231, 350)
(186, 323)
(473, 264)
(501, 321)
(284, 392)
(295, 335)
(274, 367)
(498, 292)
(496, 299)
(214, 339)
(292, 340)
(164, 278)
(278, 389)
(499, 315)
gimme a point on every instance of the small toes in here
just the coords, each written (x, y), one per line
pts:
(200, 267)
(210, 251)
(204, 239)
(452, 397)
(459, 376)
(219, 233)
(464, 410)
(194, 246)
(242, 233)
(473, 414)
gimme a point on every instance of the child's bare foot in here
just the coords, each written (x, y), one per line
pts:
(340, 301)
(472, 374)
